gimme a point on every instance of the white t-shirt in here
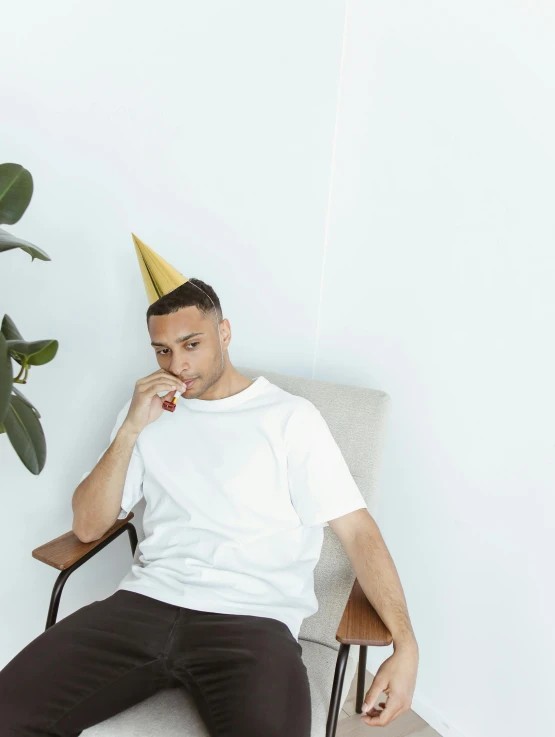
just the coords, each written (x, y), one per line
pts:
(237, 493)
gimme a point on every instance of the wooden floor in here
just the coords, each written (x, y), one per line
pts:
(351, 725)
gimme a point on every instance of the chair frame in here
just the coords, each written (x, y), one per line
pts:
(360, 623)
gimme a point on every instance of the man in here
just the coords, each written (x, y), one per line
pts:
(238, 483)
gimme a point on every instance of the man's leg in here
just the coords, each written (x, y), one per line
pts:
(92, 664)
(245, 673)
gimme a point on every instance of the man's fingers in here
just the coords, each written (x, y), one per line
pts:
(374, 711)
(374, 691)
(387, 715)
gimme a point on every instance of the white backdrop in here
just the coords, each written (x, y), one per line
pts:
(369, 189)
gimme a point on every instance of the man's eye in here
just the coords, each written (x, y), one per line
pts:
(165, 349)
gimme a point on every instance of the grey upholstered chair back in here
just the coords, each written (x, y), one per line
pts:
(357, 418)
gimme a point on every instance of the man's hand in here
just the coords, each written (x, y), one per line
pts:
(396, 677)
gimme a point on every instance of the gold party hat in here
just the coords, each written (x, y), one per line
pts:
(159, 276)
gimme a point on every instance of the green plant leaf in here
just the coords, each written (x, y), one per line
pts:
(6, 377)
(9, 241)
(9, 329)
(36, 352)
(16, 190)
(24, 399)
(26, 435)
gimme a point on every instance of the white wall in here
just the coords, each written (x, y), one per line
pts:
(210, 130)
(438, 288)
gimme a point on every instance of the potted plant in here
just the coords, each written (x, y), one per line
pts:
(19, 420)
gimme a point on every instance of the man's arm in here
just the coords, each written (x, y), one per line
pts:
(96, 502)
(376, 572)
(380, 582)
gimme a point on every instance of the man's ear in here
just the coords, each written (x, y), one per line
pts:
(225, 332)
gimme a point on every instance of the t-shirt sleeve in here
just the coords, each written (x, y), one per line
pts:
(320, 483)
(133, 485)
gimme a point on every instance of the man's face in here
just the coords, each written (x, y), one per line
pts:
(197, 356)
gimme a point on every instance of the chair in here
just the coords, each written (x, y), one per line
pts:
(357, 418)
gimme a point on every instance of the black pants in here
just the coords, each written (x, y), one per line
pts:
(245, 673)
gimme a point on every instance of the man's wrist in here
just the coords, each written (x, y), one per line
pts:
(125, 431)
(405, 641)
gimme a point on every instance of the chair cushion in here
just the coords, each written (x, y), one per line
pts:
(172, 711)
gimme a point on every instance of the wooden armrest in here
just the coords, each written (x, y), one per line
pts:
(64, 551)
(360, 623)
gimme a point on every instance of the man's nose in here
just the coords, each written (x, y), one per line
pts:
(178, 368)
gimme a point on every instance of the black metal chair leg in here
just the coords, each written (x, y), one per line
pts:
(65, 574)
(132, 537)
(55, 597)
(361, 679)
(338, 680)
